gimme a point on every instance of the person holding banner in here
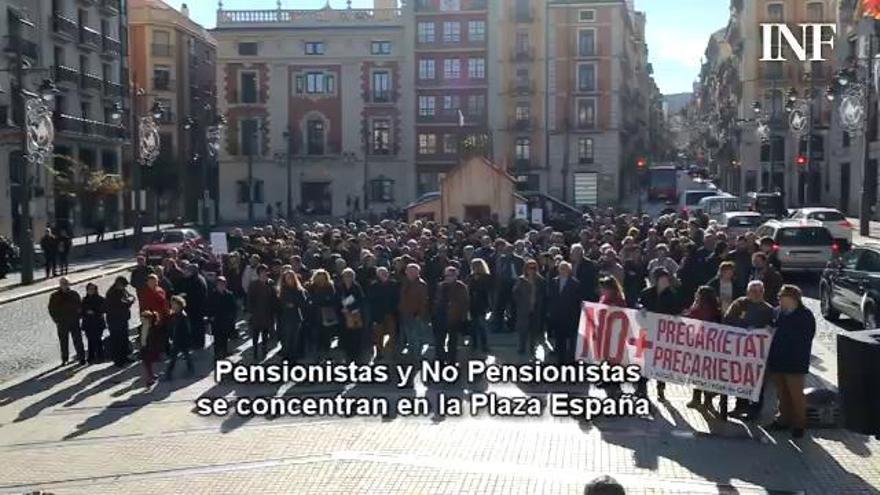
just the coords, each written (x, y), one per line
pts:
(660, 297)
(750, 312)
(789, 360)
(726, 287)
(706, 308)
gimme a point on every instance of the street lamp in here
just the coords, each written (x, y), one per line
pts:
(148, 143)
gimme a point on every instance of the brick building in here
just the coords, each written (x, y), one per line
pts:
(316, 111)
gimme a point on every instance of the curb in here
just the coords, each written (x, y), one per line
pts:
(124, 267)
(7, 288)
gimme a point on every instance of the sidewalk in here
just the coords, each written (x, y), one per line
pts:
(96, 430)
(11, 290)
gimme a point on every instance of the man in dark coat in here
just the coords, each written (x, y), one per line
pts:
(222, 309)
(661, 297)
(139, 274)
(383, 296)
(65, 243)
(508, 267)
(528, 298)
(49, 245)
(195, 289)
(64, 308)
(586, 272)
(563, 312)
(451, 309)
(118, 304)
(262, 304)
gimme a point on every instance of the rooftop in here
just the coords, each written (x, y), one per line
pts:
(312, 18)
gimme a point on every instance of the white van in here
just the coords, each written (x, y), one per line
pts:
(716, 206)
(689, 199)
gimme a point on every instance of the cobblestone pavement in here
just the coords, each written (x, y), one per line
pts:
(28, 335)
(97, 430)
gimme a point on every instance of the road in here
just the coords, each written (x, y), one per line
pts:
(28, 335)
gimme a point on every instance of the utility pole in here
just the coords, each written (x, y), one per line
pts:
(366, 166)
(871, 114)
(289, 136)
(26, 235)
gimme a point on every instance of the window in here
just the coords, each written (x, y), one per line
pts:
(523, 150)
(243, 195)
(585, 150)
(477, 30)
(105, 28)
(450, 144)
(85, 110)
(248, 89)
(428, 182)
(477, 68)
(586, 42)
(451, 32)
(522, 11)
(318, 83)
(451, 104)
(426, 106)
(427, 144)
(586, 15)
(382, 190)
(450, 5)
(247, 48)
(586, 77)
(521, 42)
(869, 262)
(161, 77)
(250, 143)
(381, 137)
(381, 86)
(451, 68)
(426, 69)
(380, 48)
(106, 72)
(846, 139)
(161, 43)
(314, 47)
(59, 55)
(775, 12)
(476, 104)
(586, 113)
(426, 32)
(814, 12)
(315, 137)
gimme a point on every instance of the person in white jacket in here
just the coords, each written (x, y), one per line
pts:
(250, 272)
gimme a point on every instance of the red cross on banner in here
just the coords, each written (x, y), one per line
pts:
(871, 8)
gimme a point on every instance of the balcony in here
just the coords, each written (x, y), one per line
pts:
(112, 89)
(380, 97)
(90, 81)
(524, 86)
(440, 117)
(64, 27)
(110, 47)
(162, 83)
(15, 43)
(312, 18)
(110, 7)
(89, 38)
(522, 124)
(70, 124)
(430, 6)
(160, 49)
(524, 15)
(522, 164)
(523, 54)
(66, 74)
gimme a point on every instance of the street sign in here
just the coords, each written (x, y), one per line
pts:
(522, 211)
(538, 216)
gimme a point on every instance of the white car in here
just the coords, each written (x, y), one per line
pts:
(831, 219)
(716, 206)
(737, 223)
(801, 245)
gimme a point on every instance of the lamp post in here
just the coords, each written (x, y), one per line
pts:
(367, 150)
(288, 138)
(252, 147)
(212, 140)
(148, 143)
(855, 111)
(38, 134)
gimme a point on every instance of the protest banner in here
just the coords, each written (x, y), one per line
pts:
(708, 356)
(218, 243)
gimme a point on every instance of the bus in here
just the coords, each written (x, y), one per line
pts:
(662, 182)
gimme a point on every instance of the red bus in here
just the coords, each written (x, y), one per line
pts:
(662, 182)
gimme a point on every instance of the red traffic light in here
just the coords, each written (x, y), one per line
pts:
(801, 160)
(642, 163)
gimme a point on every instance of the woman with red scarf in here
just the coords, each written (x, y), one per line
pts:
(706, 307)
(154, 339)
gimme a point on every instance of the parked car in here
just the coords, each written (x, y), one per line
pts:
(833, 220)
(770, 205)
(716, 206)
(168, 242)
(737, 223)
(851, 286)
(689, 199)
(800, 245)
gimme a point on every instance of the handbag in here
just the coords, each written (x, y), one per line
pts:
(353, 320)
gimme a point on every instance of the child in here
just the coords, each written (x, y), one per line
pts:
(178, 330)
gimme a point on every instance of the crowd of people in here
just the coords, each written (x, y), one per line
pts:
(394, 290)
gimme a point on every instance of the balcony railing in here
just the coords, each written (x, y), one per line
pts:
(427, 6)
(523, 54)
(69, 123)
(163, 83)
(110, 46)
(112, 89)
(522, 124)
(161, 49)
(305, 18)
(66, 74)
(89, 37)
(90, 81)
(387, 96)
(523, 86)
(110, 6)
(65, 26)
(15, 43)
(524, 15)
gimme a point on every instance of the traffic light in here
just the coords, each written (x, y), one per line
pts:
(801, 161)
(642, 164)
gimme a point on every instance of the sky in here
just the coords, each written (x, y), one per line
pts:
(677, 30)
